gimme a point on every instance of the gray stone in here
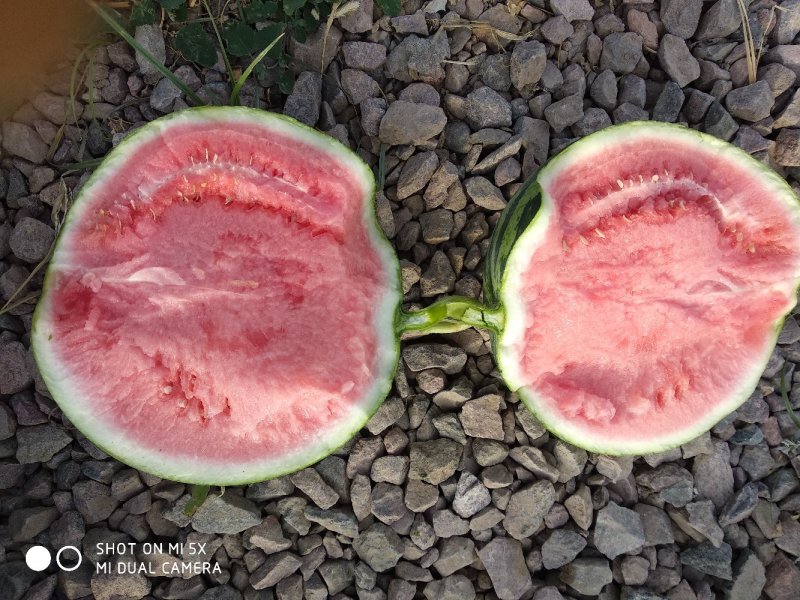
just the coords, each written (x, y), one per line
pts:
(749, 578)
(419, 357)
(788, 55)
(570, 459)
(506, 567)
(788, 22)
(509, 149)
(306, 98)
(151, 38)
(669, 103)
(604, 89)
(561, 548)
(23, 141)
(448, 524)
(751, 102)
(790, 115)
(268, 536)
(15, 377)
(435, 460)
(579, 506)
(484, 107)
(573, 10)
(701, 518)
(409, 123)
(387, 503)
(621, 52)
(564, 112)
(618, 531)
(481, 417)
(528, 60)
(113, 586)
(719, 21)
(372, 111)
(390, 469)
(364, 55)
(556, 30)
(40, 442)
(419, 59)
(225, 513)
(710, 560)
(26, 523)
(484, 193)
(336, 520)
(93, 500)
(308, 55)
(379, 546)
(634, 570)
(454, 587)
(455, 553)
(31, 240)
(494, 72)
(311, 483)
(337, 574)
(713, 476)
(471, 495)
(359, 20)
(164, 95)
(277, 567)
(416, 174)
(358, 86)
(420, 496)
(587, 575)
(740, 506)
(677, 61)
(57, 109)
(681, 17)
(527, 508)
(778, 77)
(719, 122)
(787, 148)
(627, 112)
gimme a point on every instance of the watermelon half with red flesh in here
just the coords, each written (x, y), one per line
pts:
(644, 275)
(220, 306)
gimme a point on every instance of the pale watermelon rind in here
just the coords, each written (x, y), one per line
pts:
(198, 469)
(529, 240)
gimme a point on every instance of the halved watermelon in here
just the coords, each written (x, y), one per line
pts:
(220, 306)
(644, 275)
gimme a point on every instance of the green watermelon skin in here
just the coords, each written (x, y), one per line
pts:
(221, 304)
(521, 233)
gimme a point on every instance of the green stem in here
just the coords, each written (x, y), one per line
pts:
(109, 18)
(199, 495)
(241, 81)
(450, 315)
(219, 41)
(785, 397)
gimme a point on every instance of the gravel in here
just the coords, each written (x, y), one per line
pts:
(453, 490)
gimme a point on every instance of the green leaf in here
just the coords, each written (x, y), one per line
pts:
(286, 82)
(196, 45)
(390, 7)
(144, 12)
(260, 10)
(266, 36)
(170, 4)
(289, 6)
(181, 13)
(240, 38)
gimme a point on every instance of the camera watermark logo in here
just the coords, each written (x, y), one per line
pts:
(38, 558)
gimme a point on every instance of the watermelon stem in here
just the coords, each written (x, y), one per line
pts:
(451, 314)
(199, 495)
(792, 415)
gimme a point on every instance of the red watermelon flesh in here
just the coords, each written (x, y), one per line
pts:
(652, 290)
(215, 303)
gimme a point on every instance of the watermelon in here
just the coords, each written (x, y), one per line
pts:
(220, 306)
(644, 274)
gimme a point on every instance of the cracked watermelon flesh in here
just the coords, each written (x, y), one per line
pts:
(220, 304)
(644, 298)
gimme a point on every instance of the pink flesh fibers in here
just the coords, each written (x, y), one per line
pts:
(220, 295)
(649, 298)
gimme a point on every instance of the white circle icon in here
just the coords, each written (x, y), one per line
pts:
(77, 553)
(38, 558)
